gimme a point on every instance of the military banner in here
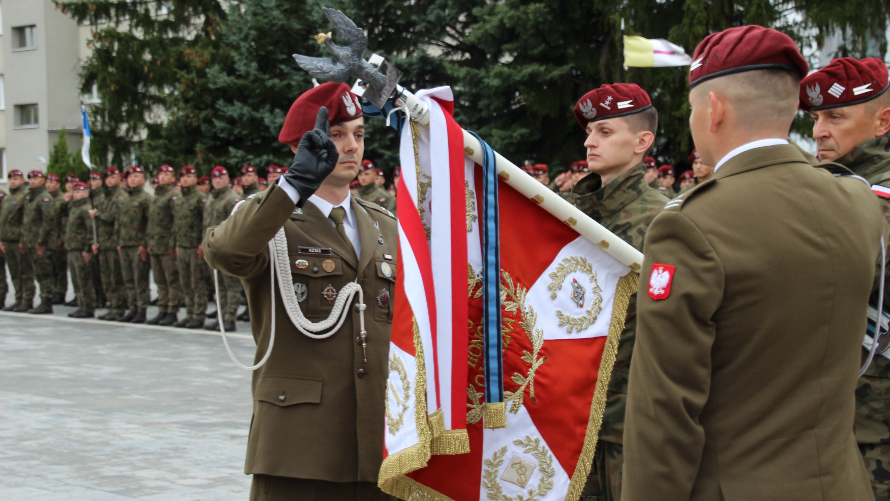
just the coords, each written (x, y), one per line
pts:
(562, 299)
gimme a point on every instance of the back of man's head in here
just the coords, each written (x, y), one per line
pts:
(759, 98)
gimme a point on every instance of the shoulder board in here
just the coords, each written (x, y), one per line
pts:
(252, 196)
(373, 206)
(695, 190)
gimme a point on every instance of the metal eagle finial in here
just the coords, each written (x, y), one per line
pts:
(348, 60)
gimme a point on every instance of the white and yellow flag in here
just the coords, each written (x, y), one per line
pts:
(645, 53)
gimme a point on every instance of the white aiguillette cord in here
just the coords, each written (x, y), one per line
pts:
(278, 258)
(874, 343)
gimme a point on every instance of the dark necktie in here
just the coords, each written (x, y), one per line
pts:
(338, 214)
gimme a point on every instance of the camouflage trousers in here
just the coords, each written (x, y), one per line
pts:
(4, 286)
(877, 464)
(193, 275)
(43, 272)
(112, 281)
(228, 295)
(135, 273)
(166, 275)
(21, 273)
(82, 280)
(60, 274)
(604, 481)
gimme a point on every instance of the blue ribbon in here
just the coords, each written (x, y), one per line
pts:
(397, 120)
(491, 278)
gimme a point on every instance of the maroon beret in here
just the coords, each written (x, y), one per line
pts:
(342, 105)
(112, 171)
(579, 166)
(397, 172)
(248, 168)
(366, 164)
(176, 182)
(95, 174)
(135, 169)
(35, 173)
(650, 163)
(379, 171)
(610, 101)
(666, 170)
(261, 180)
(744, 48)
(354, 184)
(694, 156)
(527, 169)
(80, 186)
(687, 174)
(844, 82)
(186, 170)
(71, 178)
(237, 182)
(219, 171)
(203, 180)
(166, 168)
(14, 173)
(52, 177)
(155, 180)
(539, 169)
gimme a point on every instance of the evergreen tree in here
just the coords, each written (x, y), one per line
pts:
(59, 159)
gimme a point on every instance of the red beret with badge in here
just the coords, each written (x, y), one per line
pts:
(745, 48)
(237, 182)
(94, 174)
(540, 169)
(14, 173)
(112, 171)
(80, 186)
(262, 181)
(135, 169)
(52, 177)
(687, 174)
(397, 172)
(343, 106)
(694, 156)
(844, 82)
(650, 163)
(166, 168)
(611, 101)
(186, 170)
(35, 173)
(248, 168)
(354, 185)
(155, 180)
(203, 180)
(379, 171)
(666, 170)
(71, 178)
(273, 169)
(579, 166)
(219, 171)
(527, 169)
(366, 165)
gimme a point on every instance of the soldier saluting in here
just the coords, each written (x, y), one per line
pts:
(318, 403)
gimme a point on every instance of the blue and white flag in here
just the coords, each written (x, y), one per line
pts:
(85, 149)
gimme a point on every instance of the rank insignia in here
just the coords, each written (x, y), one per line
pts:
(301, 291)
(328, 265)
(383, 298)
(302, 264)
(386, 269)
(577, 293)
(329, 293)
(660, 281)
(298, 211)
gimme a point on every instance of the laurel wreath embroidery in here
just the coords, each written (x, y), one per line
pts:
(570, 265)
(471, 208)
(513, 300)
(545, 463)
(392, 422)
(474, 279)
(475, 405)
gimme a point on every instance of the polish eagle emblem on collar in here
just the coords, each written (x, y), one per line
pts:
(588, 110)
(660, 281)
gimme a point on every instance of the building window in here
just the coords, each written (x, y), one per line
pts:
(3, 167)
(2, 92)
(24, 37)
(26, 115)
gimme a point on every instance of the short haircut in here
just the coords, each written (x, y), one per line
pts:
(646, 120)
(757, 96)
(877, 104)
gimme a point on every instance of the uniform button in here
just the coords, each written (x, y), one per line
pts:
(259, 199)
(315, 269)
(358, 340)
(282, 398)
(361, 373)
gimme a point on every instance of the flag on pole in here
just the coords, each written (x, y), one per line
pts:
(85, 149)
(563, 301)
(645, 53)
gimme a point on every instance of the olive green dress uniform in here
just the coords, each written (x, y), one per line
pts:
(131, 228)
(60, 264)
(78, 239)
(318, 407)
(376, 194)
(216, 210)
(109, 258)
(188, 217)
(626, 207)
(42, 223)
(742, 385)
(20, 270)
(161, 240)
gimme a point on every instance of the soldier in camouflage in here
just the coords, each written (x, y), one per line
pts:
(651, 172)
(40, 238)
(162, 247)
(249, 181)
(97, 195)
(60, 265)
(105, 214)
(217, 209)
(854, 130)
(131, 228)
(618, 197)
(687, 182)
(368, 189)
(666, 181)
(11, 220)
(188, 226)
(78, 239)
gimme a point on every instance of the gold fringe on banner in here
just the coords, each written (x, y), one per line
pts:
(495, 415)
(627, 286)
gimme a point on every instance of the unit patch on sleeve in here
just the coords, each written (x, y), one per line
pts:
(660, 281)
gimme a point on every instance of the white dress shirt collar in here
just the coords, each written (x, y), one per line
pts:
(747, 147)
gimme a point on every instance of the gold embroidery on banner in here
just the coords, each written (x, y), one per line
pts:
(513, 299)
(492, 485)
(570, 265)
(495, 415)
(475, 405)
(471, 208)
(474, 279)
(408, 488)
(519, 471)
(604, 244)
(437, 422)
(627, 286)
(392, 422)
(422, 187)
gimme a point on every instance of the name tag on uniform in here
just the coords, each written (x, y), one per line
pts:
(317, 251)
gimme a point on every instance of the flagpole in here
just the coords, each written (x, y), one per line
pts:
(85, 156)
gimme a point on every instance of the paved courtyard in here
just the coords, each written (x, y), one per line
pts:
(107, 411)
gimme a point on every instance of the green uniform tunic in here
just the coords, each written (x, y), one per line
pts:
(78, 239)
(161, 241)
(131, 228)
(41, 223)
(217, 210)
(188, 215)
(11, 219)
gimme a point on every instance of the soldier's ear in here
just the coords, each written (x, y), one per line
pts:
(645, 140)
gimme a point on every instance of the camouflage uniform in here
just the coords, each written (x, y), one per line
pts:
(377, 195)
(42, 222)
(626, 207)
(131, 228)
(250, 190)
(188, 216)
(109, 258)
(161, 242)
(20, 270)
(60, 264)
(871, 160)
(216, 210)
(4, 286)
(78, 239)
(668, 192)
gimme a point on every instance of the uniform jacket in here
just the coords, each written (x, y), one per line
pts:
(78, 235)
(742, 385)
(160, 220)
(131, 224)
(12, 214)
(626, 207)
(188, 217)
(376, 194)
(316, 416)
(40, 219)
(106, 217)
(219, 206)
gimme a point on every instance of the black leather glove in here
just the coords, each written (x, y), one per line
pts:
(316, 157)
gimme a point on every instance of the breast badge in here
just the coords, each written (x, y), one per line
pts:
(329, 293)
(386, 269)
(328, 265)
(302, 264)
(301, 291)
(383, 298)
